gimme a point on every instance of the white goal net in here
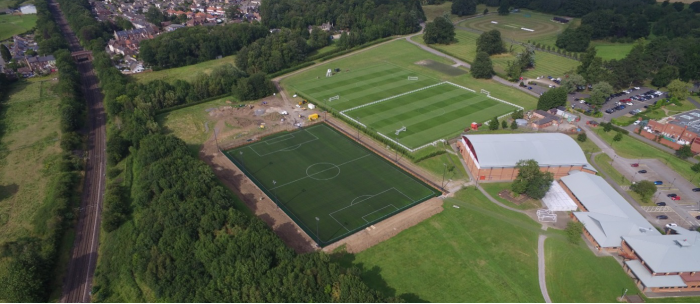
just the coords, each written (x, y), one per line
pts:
(485, 92)
(400, 130)
(412, 77)
(546, 216)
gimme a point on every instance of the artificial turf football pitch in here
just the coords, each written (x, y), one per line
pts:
(330, 185)
(384, 99)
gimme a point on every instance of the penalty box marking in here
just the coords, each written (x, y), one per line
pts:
(382, 208)
(288, 148)
(352, 203)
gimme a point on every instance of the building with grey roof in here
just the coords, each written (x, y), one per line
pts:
(493, 157)
(657, 262)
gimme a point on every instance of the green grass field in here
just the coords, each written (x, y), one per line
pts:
(609, 51)
(430, 110)
(545, 30)
(494, 188)
(11, 25)
(186, 73)
(545, 63)
(477, 253)
(320, 177)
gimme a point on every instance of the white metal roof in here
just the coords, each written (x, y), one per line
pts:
(557, 199)
(548, 149)
(649, 280)
(669, 253)
(609, 216)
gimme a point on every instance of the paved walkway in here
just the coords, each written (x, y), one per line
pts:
(541, 274)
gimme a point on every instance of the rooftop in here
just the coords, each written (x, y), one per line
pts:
(669, 253)
(548, 149)
(649, 280)
(690, 119)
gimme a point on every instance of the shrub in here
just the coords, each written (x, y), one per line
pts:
(573, 231)
(582, 137)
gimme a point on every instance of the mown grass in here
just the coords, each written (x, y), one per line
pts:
(609, 50)
(545, 30)
(587, 146)
(186, 73)
(405, 55)
(630, 147)
(545, 63)
(11, 25)
(494, 188)
(477, 253)
(452, 168)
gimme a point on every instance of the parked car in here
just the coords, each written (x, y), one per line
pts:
(635, 165)
(661, 204)
(642, 171)
(662, 217)
(529, 88)
(696, 189)
(676, 198)
(697, 217)
(671, 195)
(670, 225)
(658, 183)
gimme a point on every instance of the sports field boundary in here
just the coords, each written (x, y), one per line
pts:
(433, 143)
(301, 224)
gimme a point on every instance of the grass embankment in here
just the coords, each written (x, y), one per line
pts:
(186, 73)
(587, 146)
(452, 168)
(11, 25)
(630, 147)
(477, 253)
(545, 63)
(193, 124)
(494, 188)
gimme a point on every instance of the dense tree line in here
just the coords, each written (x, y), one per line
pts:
(463, 7)
(195, 44)
(92, 34)
(375, 18)
(273, 53)
(47, 35)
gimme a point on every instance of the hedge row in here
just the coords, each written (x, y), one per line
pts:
(614, 127)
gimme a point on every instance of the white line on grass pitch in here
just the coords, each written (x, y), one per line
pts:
(341, 224)
(288, 148)
(363, 217)
(310, 175)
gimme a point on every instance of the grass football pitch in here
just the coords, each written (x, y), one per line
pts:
(328, 184)
(384, 99)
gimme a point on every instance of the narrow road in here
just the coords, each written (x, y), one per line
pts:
(77, 283)
(540, 268)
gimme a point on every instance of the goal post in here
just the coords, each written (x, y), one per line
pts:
(336, 97)
(485, 92)
(400, 130)
(412, 77)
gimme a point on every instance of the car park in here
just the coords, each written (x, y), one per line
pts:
(658, 183)
(661, 204)
(642, 171)
(662, 217)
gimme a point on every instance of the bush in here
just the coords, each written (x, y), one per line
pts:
(684, 152)
(71, 141)
(644, 188)
(582, 137)
(573, 232)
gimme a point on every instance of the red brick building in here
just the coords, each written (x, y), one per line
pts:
(676, 131)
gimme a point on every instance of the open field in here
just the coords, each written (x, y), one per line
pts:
(544, 29)
(477, 253)
(328, 184)
(428, 109)
(186, 73)
(447, 164)
(11, 25)
(545, 63)
(609, 51)
(630, 147)
(408, 56)
(494, 188)
(587, 146)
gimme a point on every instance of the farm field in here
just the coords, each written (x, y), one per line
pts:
(609, 51)
(545, 63)
(428, 110)
(477, 253)
(544, 29)
(186, 73)
(11, 25)
(328, 184)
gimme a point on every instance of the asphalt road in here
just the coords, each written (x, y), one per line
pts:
(77, 283)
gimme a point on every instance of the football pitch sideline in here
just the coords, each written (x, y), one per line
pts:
(327, 183)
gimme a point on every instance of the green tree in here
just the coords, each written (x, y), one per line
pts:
(517, 115)
(486, 11)
(493, 124)
(491, 43)
(155, 16)
(678, 6)
(573, 231)
(679, 89)
(617, 137)
(5, 53)
(582, 137)
(695, 7)
(531, 180)
(601, 91)
(607, 127)
(664, 76)
(440, 31)
(551, 99)
(644, 188)
(482, 66)
(463, 7)
(504, 8)
(572, 81)
(513, 125)
(233, 12)
(684, 152)
(504, 124)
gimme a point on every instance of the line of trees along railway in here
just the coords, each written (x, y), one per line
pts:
(32, 261)
(171, 227)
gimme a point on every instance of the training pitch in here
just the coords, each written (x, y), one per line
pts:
(384, 99)
(327, 183)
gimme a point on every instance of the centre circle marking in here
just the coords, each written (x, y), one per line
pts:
(329, 166)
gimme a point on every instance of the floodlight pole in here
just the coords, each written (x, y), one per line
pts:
(358, 128)
(673, 183)
(613, 160)
(442, 184)
(319, 238)
(397, 149)
(216, 140)
(274, 193)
